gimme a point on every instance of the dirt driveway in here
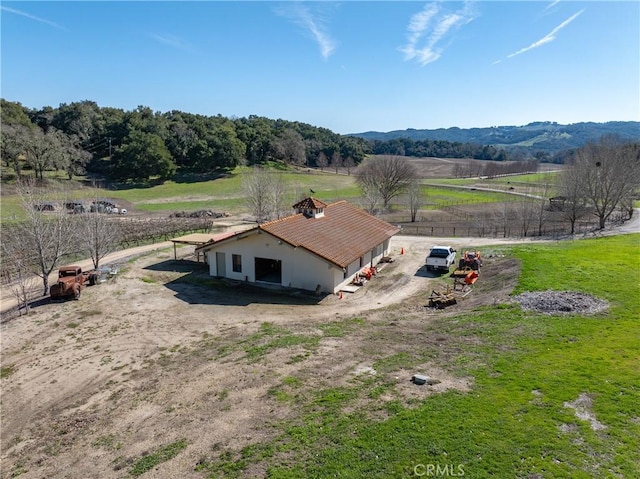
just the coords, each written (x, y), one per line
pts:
(163, 352)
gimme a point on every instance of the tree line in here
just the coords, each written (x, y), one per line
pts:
(141, 145)
(437, 148)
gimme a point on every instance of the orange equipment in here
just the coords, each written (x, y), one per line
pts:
(470, 259)
(471, 277)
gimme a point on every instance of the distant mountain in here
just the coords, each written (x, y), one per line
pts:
(546, 136)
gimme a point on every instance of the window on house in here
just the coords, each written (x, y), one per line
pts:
(237, 263)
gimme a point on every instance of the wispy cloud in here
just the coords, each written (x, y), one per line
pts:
(171, 40)
(549, 37)
(31, 17)
(311, 22)
(551, 5)
(429, 27)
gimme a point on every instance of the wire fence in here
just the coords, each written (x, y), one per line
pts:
(510, 231)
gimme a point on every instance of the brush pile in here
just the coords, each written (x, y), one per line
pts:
(554, 302)
(198, 214)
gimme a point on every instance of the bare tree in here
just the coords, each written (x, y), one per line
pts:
(349, 164)
(279, 205)
(99, 235)
(264, 194)
(608, 172)
(574, 203)
(626, 205)
(19, 267)
(491, 170)
(336, 160)
(503, 217)
(388, 175)
(46, 235)
(370, 199)
(322, 161)
(542, 203)
(526, 208)
(415, 198)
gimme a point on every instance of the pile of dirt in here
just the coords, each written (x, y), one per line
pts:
(554, 302)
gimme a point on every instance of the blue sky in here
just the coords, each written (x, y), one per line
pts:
(349, 66)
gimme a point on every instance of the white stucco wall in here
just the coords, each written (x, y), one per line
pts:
(371, 258)
(300, 268)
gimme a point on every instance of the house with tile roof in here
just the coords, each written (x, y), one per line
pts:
(319, 248)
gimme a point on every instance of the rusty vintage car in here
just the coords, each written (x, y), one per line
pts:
(71, 281)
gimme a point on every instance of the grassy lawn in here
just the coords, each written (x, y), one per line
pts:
(514, 422)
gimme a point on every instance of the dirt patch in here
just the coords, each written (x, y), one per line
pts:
(164, 353)
(561, 302)
(583, 409)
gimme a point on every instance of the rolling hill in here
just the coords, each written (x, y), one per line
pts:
(546, 136)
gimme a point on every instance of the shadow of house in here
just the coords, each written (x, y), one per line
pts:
(179, 266)
(197, 287)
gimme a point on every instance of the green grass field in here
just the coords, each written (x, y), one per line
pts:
(225, 193)
(514, 422)
(534, 183)
(436, 196)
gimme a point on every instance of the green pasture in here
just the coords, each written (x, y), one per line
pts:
(515, 421)
(10, 208)
(501, 182)
(443, 196)
(532, 178)
(453, 181)
(225, 193)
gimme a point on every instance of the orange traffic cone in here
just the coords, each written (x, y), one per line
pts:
(340, 294)
(402, 251)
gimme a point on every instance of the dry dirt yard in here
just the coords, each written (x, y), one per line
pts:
(163, 352)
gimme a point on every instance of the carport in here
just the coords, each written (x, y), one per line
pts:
(197, 240)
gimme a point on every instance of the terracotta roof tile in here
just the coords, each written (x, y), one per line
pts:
(341, 236)
(309, 203)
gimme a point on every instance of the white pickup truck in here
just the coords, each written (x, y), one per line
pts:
(441, 258)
